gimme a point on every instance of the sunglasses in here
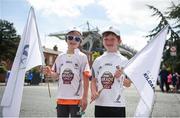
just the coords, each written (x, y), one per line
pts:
(76, 38)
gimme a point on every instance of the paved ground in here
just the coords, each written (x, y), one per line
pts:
(37, 103)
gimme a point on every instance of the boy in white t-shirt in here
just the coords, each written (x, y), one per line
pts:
(107, 83)
(72, 70)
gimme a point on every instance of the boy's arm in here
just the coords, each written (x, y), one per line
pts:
(94, 92)
(85, 92)
(86, 76)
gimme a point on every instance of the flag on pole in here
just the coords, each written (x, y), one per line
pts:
(143, 71)
(28, 55)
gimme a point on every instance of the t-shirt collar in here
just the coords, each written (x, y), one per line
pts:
(76, 51)
(112, 53)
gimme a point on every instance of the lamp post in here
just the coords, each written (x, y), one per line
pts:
(173, 53)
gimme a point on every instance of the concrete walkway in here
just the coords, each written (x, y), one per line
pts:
(37, 103)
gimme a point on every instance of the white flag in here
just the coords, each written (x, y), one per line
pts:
(143, 71)
(28, 55)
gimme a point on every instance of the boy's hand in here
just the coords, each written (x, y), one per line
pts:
(127, 82)
(47, 70)
(118, 73)
(84, 103)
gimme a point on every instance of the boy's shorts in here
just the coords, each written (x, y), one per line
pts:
(68, 110)
(103, 111)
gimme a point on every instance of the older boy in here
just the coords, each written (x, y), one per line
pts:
(107, 85)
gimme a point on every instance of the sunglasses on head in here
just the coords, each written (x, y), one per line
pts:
(76, 38)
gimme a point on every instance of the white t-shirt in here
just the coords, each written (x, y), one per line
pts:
(103, 70)
(70, 68)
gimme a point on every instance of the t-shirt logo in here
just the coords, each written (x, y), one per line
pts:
(107, 80)
(67, 76)
(76, 66)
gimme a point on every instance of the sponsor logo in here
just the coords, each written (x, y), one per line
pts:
(147, 75)
(69, 62)
(67, 76)
(107, 80)
(108, 64)
(100, 67)
(76, 66)
(24, 57)
(118, 99)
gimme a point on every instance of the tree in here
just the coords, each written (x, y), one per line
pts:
(9, 41)
(171, 15)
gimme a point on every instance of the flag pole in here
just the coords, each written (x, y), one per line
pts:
(39, 41)
(49, 89)
(41, 49)
(154, 101)
(47, 80)
(99, 92)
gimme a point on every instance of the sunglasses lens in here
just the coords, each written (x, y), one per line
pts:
(70, 38)
(77, 39)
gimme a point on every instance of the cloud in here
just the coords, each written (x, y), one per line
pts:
(133, 12)
(69, 8)
(50, 42)
(136, 40)
(135, 16)
(132, 16)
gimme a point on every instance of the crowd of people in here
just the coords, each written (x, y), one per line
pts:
(171, 80)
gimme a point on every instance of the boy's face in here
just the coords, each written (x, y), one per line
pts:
(111, 41)
(73, 39)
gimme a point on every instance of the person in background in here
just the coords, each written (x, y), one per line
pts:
(29, 77)
(164, 79)
(7, 76)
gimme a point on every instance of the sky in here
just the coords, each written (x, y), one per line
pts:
(132, 17)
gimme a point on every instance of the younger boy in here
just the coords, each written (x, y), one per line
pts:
(72, 69)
